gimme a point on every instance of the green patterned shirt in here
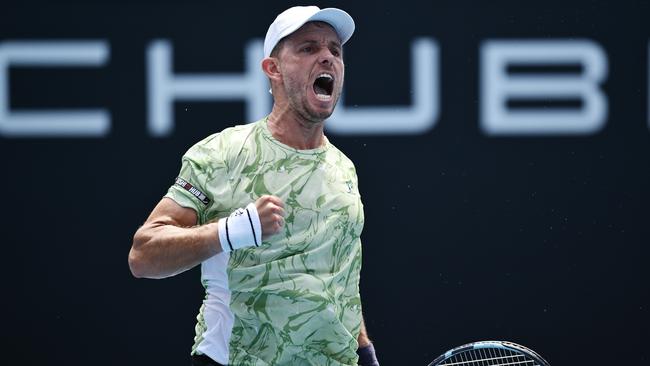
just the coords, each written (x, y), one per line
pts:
(295, 299)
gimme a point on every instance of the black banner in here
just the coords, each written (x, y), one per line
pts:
(502, 148)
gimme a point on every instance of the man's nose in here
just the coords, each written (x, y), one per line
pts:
(326, 57)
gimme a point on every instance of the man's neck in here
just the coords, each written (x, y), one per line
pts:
(292, 130)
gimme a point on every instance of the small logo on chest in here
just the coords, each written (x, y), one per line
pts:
(349, 184)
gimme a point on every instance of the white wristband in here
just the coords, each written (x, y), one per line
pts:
(241, 229)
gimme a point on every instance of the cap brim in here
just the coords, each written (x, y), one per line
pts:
(341, 21)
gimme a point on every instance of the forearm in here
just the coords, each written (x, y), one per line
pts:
(366, 350)
(165, 250)
(363, 339)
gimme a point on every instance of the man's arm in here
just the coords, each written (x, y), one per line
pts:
(366, 351)
(169, 242)
(363, 339)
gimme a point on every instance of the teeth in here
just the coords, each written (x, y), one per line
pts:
(323, 97)
(323, 86)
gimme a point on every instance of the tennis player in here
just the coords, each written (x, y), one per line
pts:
(272, 212)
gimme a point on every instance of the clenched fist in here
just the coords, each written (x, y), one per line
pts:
(271, 213)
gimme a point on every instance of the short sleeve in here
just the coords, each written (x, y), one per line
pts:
(190, 188)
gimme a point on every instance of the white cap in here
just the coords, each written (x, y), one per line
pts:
(293, 18)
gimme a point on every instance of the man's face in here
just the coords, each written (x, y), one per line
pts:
(311, 62)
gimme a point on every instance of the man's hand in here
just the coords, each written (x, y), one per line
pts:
(271, 212)
(247, 226)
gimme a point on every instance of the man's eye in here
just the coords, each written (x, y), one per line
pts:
(307, 49)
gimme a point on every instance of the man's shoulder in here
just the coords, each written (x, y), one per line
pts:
(224, 140)
(239, 131)
(339, 156)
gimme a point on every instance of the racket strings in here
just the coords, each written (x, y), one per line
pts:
(489, 357)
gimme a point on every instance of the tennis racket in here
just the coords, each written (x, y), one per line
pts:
(492, 353)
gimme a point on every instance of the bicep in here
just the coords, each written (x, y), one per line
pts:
(169, 212)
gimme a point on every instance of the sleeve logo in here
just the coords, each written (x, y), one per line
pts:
(193, 190)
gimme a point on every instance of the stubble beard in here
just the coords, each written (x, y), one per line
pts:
(299, 103)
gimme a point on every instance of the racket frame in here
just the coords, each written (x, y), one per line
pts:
(505, 345)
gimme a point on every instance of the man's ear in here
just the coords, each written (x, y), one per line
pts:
(271, 67)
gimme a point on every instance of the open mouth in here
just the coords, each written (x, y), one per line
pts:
(324, 85)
